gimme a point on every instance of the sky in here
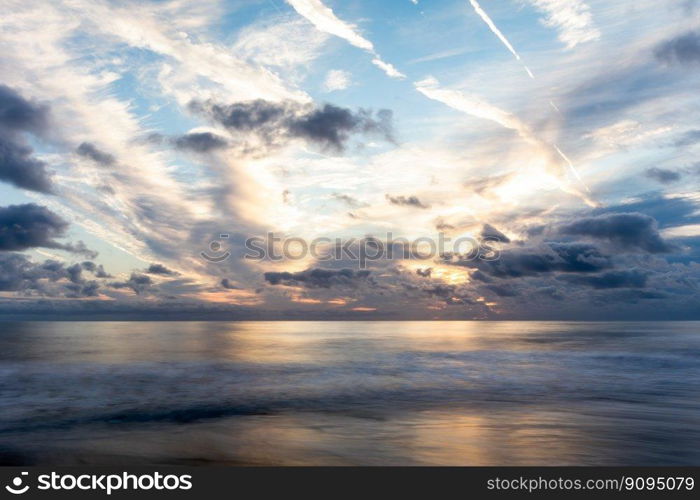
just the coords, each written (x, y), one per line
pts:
(142, 143)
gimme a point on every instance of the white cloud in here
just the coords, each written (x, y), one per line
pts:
(571, 18)
(336, 79)
(286, 44)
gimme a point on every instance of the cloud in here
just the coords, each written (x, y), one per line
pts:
(19, 168)
(50, 278)
(97, 269)
(475, 106)
(490, 232)
(662, 175)
(228, 285)
(160, 270)
(683, 49)
(492, 26)
(336, 79)
(327, 126)
(546, 258)
(688, 138)
(17, 113)
(629, 231)
(571, 18)
(629, 278)
(406, 201)
(30, 226)
(89, 150)
(349, 200)
(139, 283)
(200, 142)
(325, 20)
(318, 278)
(17, 165)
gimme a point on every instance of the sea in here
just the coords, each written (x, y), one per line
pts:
(350, 393)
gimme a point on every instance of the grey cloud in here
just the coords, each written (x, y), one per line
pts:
(227, 284)
(688, 138)
(318, 278)
(97, 270)
(490, 232)
(29, 226)
(425, 273)
(19, 168)
(683, 49)
(348, 200)
(161, 270)
(200, 142)
(89, 150)
(631, 278)
(139, 283)
(407, 201)
(17, 113)
(50, 278)
(327, 126)
(17, 165)
(503, 290)
(630, 231)
(547, 258)
(662, 175)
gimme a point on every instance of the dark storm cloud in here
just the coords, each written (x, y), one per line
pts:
(17, 165)
(89, 150)
(161, 270)
(406, 201)
(226, 283)
(628, 278)
(30, 226)
(318, 278)
(19, 168)
(327, 126)
(662, 175)
(503, 290)
(200, 142)
(490, 232)
(532, 261)
(683, 49)
(17, 113)
(630, 231)
(139, 283)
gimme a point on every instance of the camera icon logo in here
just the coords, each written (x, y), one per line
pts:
(219, 253)
(16, 487)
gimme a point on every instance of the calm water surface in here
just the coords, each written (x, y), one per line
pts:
(347, 393)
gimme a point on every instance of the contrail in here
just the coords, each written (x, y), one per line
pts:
(482, 13)
(571, 166)
(325, 20)
(474, 106)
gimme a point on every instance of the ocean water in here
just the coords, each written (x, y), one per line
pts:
(350, 393)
